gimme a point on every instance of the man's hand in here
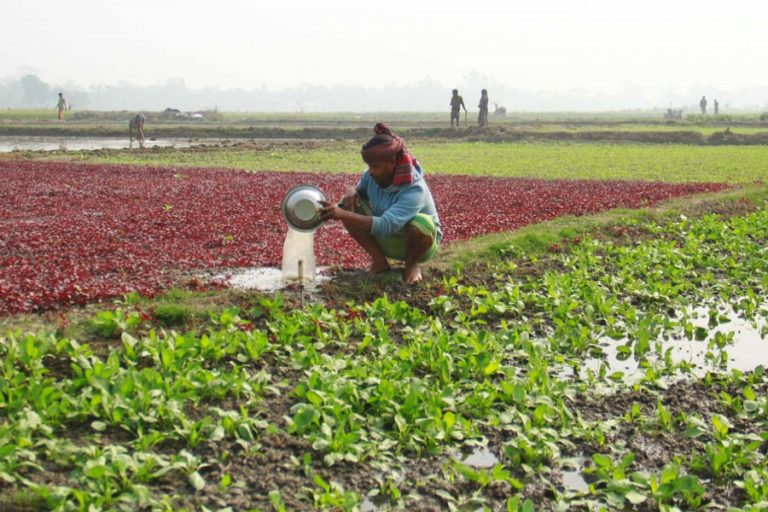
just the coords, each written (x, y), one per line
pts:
(331, 211)
(351, 200)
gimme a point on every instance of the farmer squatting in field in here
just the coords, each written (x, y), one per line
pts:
(390, 212)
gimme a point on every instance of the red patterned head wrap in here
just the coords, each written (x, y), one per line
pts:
(383, 146)
(386, 145)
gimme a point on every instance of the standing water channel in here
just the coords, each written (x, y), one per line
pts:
(40, 143)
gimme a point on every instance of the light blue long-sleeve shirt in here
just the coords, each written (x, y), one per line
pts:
(394, 206)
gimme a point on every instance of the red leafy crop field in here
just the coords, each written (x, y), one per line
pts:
(74, 233)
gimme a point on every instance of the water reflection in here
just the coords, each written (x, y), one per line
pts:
(574, 481)
(745, 351)
(32, 143)
(481, 458)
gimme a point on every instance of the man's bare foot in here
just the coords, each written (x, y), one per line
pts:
(377, 267)
(412, 274)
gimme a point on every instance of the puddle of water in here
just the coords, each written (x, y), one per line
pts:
(573, 478)
(266, 279)
(574, 481)
(372, 503)
(481, 458)
(32, 143)
(747, 350)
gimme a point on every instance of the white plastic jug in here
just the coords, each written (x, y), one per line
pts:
(299, 257)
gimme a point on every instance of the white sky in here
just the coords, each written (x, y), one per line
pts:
(556, 45)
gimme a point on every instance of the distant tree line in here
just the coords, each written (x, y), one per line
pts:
(427, 95)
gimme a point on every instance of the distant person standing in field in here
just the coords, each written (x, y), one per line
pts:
(703, 105)
(61, 106)
(482, 117)
(137, 123)
(457, 103)
(716, 106)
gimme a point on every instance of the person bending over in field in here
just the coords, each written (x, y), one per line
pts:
(390, 212)
(137, 123)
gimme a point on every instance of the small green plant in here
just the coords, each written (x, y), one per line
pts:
(110, 324)
(484, 477)
(672, 486)
(331, 496)
(171, 315)
(516, 504)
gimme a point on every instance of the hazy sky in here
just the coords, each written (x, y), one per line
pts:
(545, 44)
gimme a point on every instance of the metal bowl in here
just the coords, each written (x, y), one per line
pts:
(301, 207)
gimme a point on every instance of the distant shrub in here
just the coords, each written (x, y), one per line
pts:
(764, 116)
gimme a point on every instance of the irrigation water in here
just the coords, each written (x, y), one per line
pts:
(731, 343)
(299, 265)
(299, 268)
(47, 143)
